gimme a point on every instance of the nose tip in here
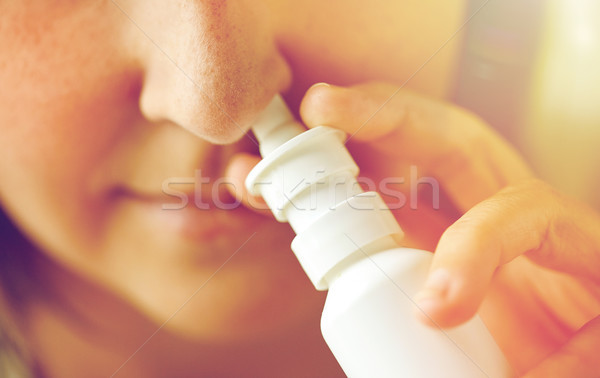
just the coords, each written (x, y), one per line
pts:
(211, 111)
(215, 78)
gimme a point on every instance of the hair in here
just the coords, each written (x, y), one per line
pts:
(19, 284)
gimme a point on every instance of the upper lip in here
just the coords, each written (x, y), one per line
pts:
(192, 184)
(206, 196)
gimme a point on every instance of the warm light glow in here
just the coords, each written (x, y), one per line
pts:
(571, 60)
(564, 122)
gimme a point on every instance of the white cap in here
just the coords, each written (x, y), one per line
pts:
(298, 171)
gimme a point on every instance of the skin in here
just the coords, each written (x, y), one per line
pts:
(102, 103)
(100, 113)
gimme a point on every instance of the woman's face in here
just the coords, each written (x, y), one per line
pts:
(106, 107)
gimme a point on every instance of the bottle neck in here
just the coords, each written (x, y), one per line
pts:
(365, 252)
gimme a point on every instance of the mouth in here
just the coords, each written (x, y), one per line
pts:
(201, 216)
(179, 190)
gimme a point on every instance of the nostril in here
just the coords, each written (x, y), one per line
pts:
(153, 97)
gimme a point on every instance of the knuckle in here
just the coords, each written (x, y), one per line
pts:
(533, 193)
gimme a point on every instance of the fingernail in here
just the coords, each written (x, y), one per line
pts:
(424, 309)
(436, 287)
(321, 85)
(429, 299)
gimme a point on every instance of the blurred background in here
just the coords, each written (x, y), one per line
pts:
(531, 68)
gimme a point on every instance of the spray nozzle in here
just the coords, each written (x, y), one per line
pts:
(275, 126)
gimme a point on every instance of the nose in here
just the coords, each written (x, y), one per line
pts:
(209, 66)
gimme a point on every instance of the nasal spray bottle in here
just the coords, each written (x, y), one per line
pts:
(347, 241)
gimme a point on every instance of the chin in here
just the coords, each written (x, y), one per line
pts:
(238, 305)
(246, 323)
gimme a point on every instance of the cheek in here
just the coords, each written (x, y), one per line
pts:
(61, 110)
(52, 153)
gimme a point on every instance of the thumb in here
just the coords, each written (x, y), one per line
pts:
(492, 233)
(529, 219)
(577, 358)
(238, 168)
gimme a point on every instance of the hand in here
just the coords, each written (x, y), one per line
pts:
(521, 254)
(529, 257)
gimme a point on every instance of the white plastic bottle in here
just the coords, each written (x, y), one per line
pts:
(348, 243)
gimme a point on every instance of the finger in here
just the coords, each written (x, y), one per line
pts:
(238, 168)
(529, 219)
(349, 109)
(577, 358)
(471, 161)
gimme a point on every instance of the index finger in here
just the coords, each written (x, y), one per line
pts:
(471, 160)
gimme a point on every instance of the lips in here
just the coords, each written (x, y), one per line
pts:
(197, 214)
(205, 225)
(162, 184)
